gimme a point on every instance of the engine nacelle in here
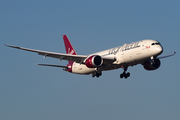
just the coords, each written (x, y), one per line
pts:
(94, 61)
(152, 64)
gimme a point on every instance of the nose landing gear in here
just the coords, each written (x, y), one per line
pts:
(124, 74)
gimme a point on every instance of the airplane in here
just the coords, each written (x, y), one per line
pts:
(144, 52)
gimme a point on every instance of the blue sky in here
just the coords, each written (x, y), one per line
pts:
(42, 93)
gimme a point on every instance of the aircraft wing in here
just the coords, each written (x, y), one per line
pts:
(61, 56)
(167, 56)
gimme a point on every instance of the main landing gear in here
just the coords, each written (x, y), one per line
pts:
(97, 74)
(124, 74)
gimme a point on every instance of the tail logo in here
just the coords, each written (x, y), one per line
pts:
(71, 52)
(68, 46)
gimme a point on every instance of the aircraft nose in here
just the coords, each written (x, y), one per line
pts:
(159, 49)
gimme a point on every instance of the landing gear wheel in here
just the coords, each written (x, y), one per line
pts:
(121, 76)
(124, 74)
(97, 74)
(128, 74)
(93, 75)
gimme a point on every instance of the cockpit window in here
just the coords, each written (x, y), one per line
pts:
(155, 44)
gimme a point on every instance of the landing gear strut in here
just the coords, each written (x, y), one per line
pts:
(124, 74)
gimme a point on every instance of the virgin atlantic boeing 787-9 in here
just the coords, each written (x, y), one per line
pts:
(143, 52)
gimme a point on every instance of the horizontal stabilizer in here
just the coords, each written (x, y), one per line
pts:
(52, 65)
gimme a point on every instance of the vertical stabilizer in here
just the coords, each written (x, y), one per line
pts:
(68, 46)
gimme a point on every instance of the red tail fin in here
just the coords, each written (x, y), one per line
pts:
(68, 46)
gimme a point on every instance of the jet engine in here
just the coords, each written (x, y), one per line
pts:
(94, 61)
(152, 64)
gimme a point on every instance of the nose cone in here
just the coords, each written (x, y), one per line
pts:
(159, 49)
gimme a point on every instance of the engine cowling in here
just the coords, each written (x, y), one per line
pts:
(152, 64)
(94, 61)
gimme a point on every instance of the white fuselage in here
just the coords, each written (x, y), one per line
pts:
(126, 55)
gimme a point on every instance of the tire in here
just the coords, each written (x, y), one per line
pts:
(128, 74)
(121, 75)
